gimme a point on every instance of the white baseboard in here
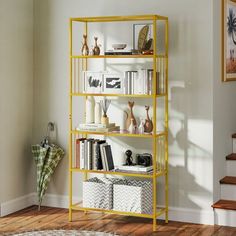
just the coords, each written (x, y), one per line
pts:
(17, 204)
(62, 201)
(190, 215)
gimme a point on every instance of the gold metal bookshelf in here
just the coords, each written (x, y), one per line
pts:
(158, 169)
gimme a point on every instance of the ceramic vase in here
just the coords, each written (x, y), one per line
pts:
(96, 49)
(89, 110)
(141, 126)
(132, 127)
(97, 113)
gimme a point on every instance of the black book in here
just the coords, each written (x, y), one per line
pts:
(109, 157)
(98, 155)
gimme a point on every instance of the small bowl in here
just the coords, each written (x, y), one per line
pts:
(118, 46)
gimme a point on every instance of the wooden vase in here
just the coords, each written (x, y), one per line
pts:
(85, 48)
(148, 125)
(96, 49)
(130, 116)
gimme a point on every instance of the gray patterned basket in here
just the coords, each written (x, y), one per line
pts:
(133, 196)
(98, 193)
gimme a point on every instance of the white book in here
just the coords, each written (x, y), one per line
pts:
(89, 154)
(138, 168)
(85, 154)
(93, 125)
(82, 154)
(103, 155)
(94, 155)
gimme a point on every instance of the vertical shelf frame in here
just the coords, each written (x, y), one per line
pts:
(154, 149)
(70, 120)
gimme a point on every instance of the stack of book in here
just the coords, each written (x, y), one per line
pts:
(140, 82)
(93, 154)
(135, 169)
(98, 127)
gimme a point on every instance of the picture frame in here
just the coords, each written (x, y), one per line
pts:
(136, 31)
(112, 83)
(228, 40)
(93, 82)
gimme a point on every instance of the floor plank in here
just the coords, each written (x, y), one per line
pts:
(56, 218)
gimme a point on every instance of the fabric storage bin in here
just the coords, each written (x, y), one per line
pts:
(98, 193)
(133, 196)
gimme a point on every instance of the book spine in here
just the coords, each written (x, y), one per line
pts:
(125, 83)
(82, 155)
(89, 154)
(94, 156)
(98, 157)
(103, 157)
(86, 154)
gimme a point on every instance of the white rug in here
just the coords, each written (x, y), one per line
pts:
(62, 233)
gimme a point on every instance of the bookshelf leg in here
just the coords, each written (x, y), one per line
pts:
(154, 224)
(70, 215)
(166, 216)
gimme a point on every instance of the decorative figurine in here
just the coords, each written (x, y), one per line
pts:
(132, 127)
(129, 158)
(96, 49)
(130, 116)
(105, 105)
(85, 48)
(141, 126)
(148, 126)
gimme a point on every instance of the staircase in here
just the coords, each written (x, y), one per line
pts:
(225, 209)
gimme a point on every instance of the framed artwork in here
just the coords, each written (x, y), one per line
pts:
(142, 36)
(112, 83)
(93, 82)
(228, 40)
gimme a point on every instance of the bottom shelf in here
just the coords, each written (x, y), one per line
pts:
(79, 206)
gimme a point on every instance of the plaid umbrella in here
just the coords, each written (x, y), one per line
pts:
(47, 159)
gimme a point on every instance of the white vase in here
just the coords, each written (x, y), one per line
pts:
(89, 110)
(132, 127)
(98, 113)
(141, 126)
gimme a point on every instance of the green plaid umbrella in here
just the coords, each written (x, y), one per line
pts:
(47, 159)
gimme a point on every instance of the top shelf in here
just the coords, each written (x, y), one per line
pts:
(119, 18)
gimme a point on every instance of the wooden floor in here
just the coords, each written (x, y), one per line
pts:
(55, 218)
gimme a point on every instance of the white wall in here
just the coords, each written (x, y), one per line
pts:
(16, 98)
(224, 115)
(191, 127)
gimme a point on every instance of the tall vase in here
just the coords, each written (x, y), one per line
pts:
(98, 113)
(130, 116)
(96, 49)
(148, 125)
(85, 48)
(89, 110)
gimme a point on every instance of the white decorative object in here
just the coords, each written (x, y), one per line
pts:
(98, 113)
(133, 196)
(132, 127)
(105, 103)
(89, 110)
(141, 126)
